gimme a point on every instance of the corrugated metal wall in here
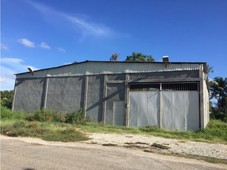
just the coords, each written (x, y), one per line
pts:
(179, 109)
(144, 108)
(93, 68)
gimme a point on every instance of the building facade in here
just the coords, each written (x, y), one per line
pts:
(171, 95)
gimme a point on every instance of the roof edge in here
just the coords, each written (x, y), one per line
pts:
(92, 61)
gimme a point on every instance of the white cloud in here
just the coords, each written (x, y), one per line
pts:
(3, 47)
(61, 49)
(26, 42)
(9, 67)
(89, 28)
(44, 45)
(85, 27)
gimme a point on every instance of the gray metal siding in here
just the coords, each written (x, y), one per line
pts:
(144, 108)
(180, 109)
(116, 76)
(164, 76)
(111, 68)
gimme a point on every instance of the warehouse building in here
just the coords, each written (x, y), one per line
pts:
(171, 95)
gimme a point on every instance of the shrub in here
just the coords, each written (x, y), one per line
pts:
(150, 128)
(44, 115)
(67, 135)
(7, 114)
(24, 128)
(47, 115)
(77, 117)
(6, 99)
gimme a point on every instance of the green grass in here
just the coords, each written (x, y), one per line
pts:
(105, 128)
(215, 132)
(56, 126)
(43, 130)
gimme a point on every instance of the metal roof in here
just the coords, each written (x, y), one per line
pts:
(105, 67)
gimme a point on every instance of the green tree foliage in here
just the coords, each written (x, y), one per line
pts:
(139, 57)
(7, 98)
(218, 91)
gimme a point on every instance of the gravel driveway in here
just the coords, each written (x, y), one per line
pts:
(150, 143)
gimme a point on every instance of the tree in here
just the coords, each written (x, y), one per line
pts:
(139, 57)
(7, 98)
(218, 91)
(114, 57)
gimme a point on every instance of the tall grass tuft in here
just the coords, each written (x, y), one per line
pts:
(77, 117)
(43, 115)
(47, 115)
(7, 114)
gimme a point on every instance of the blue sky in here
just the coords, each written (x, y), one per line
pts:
(48, 33)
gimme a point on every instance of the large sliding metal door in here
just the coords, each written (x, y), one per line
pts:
(170, 106)
(144, 108)
(180, 110)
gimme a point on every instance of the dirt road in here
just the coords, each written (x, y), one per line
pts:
(35, 154)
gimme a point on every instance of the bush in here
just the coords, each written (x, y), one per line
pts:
(23, 128)
(216, 114)
(150, 128)
(7, 114)
(77, 117)
(42, 130)
(7, 98)
(67, 135)
(47, 115)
